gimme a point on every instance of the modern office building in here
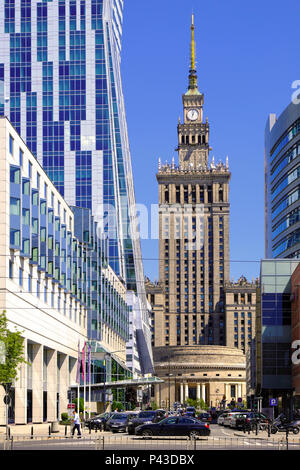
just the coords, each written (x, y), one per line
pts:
(274, 333)
(55, 286)
(282, 184)
(60, 86)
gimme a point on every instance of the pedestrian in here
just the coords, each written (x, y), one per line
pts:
(76, 423)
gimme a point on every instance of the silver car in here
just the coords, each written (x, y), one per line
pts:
(229, 417)
(221, 418)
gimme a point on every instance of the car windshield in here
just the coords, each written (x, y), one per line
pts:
(119, 416)
(149, 414)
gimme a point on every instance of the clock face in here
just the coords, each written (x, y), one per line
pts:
(193, 114)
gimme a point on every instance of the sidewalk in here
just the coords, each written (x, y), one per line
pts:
(43, 430)
(264, 435)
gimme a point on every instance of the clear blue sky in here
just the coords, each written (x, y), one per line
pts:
(247, 59)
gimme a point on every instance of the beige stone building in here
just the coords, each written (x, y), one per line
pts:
(240, 313)
(188, 302)
(206, 372)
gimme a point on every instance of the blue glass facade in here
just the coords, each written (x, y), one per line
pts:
(275, 331)
(74, 260)
(282, 184)
(60, 73)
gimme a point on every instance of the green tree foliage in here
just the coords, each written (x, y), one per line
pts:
(13, 345)
(81, 404)
(198, 404)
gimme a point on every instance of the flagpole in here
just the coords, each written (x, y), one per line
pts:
(78, 379)
(89, 365)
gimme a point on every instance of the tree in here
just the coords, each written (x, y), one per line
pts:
(13, 345)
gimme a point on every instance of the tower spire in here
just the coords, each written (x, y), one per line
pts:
(193, 86)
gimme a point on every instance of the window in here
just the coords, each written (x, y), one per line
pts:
(11, 145)
(11, 269)
(21, 154)
(21, 277)
(29, 282)
(14, 206)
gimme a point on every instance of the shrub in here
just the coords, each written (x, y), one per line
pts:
(64, 417)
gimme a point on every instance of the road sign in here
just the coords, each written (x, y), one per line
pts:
(273, 401)
(71, 405)
(240, 400)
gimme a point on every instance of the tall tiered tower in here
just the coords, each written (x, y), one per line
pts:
(193, 232)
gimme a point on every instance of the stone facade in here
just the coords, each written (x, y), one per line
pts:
(240, 313)
(202, 372)
(188, 319)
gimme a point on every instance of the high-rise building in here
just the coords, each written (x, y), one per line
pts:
(282, 184)
(60, 86)
(240, 312)
(193, 231)
(188, 318)
(56, 289)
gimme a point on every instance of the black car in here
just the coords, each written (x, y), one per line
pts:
(98, 422)
(174, 426)
(190, 411)
(145, 417)
(204, 417)
(120, 421)
(251, 419)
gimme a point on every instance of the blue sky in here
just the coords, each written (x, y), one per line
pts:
(247, 59)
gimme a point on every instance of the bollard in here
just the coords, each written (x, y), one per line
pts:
(66, 431)
(287, 439)
(256, 430)
(269, 430)
(49, 431)
(31, 433)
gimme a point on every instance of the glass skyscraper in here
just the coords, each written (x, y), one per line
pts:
(60, 86)
(61, 89)
(282, 184)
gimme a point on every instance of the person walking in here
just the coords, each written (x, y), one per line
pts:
(76, 423)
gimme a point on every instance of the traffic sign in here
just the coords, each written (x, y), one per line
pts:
(273, 401)
(71, 405)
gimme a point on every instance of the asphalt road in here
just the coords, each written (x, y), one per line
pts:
(220, 439)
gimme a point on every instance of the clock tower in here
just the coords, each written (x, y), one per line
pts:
(193, 134)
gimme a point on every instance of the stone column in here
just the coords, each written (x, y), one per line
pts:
(21, 392)
(63, 384)
(203, 395)
(37, 383)
(239, 391)
(51, 385)
(198, 392)
(186, 391)
(181, 393)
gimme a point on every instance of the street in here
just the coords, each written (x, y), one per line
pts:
(220, 439)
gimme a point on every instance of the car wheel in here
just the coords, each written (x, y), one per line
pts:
(194, 434)
(274, 430)
(147, 433)
(130, 432)
(296, 430)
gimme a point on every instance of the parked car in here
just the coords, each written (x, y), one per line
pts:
(204, 417)
(145, 417)
(254, 417)
(174, 426)
(98, 422)
(120, 421)
(190, 411)
(238, 420)
(221, 418)
(228, 417)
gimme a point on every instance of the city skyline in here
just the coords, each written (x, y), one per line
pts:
(221, 41)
